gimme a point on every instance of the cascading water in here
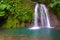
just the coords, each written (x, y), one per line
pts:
(44, 17)
(36, 15)
(45, 22)
(36, 18)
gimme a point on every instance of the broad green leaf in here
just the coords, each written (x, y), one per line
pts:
(2, 13)
(8, 6)
(2, 6)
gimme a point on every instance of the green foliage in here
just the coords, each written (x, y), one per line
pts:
(11, 23)
(2, 13)
(17, 11)
(26, 14)
(55, 5)
(3, 7)
(39, 1)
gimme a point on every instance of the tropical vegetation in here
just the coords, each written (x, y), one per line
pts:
(18, 13)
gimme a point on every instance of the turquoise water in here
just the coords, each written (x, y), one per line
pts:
(25, 31)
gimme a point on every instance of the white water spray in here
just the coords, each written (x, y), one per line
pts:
(36, 18)
(45, 22)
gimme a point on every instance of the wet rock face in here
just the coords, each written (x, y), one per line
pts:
(53, 19)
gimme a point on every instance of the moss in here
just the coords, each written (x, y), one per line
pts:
(11, 23)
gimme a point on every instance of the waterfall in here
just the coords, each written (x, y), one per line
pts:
(36, 15)
(45, 22)
(36, 18)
